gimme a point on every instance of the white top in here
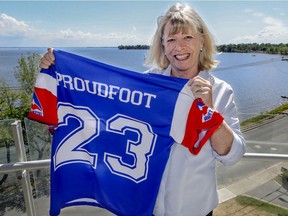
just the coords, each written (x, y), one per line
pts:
(188, 185)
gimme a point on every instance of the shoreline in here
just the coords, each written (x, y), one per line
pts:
(265, 118)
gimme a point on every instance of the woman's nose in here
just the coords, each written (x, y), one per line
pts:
(179, 45)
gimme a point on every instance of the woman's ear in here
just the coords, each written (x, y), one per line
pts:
(201, 43)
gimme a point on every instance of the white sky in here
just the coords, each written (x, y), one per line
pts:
(112, 23)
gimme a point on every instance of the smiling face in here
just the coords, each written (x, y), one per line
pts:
(182, 49)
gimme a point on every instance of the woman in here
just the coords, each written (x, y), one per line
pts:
(183, 47)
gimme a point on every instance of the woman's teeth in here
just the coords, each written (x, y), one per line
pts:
(182, 57)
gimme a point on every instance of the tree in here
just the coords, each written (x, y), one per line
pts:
(15, 104)
(6, 140)
(8, 110)
(36, 134)
(254, 47)
(8, 101)
(26, 72)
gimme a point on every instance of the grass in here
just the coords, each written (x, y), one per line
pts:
(261, 205)
(266, 115)
(282, 179)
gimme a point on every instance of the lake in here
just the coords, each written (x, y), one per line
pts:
(258, 80)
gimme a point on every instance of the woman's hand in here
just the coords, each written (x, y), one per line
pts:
(222, 139)
(202, 88)
(48, 59)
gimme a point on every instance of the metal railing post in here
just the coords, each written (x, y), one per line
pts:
(21, 154)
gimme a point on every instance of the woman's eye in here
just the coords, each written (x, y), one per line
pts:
(189, 37)
(170, 40)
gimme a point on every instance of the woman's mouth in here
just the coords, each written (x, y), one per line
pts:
(182, 57)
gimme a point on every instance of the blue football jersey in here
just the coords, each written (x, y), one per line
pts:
(113, 132)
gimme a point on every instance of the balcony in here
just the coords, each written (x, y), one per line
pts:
(261, 174)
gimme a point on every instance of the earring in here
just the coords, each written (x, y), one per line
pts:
(201, 49)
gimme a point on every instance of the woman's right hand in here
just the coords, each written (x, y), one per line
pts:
(48, 59)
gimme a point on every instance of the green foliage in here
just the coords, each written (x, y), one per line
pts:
(239, 48)
(6, 138)
(282, 178)
(8, 101)
(266, 115)
(280, 109)
(255, 47)
(133, 47)
(6, 141)
(261, 205)
(15, 103)
(26, 72)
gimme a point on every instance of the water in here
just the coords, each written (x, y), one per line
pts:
(259, 87)
(258, 80)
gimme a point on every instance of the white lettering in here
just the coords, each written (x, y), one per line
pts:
(79, 84)
(112, 92)
(67, 80)
(94, 87)
(124, 92)
(102, 90)
(134, 96)
(149, 97)
(58, 78)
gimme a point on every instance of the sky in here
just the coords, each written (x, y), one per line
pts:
(112, 23)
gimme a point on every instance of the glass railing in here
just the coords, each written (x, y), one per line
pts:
(12, 197)
(261, 174)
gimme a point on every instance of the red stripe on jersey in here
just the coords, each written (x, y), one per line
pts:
(200, 118)
(44, 107)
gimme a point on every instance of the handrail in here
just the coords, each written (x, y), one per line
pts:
(41, 164)
(265, 156)
(27, 165)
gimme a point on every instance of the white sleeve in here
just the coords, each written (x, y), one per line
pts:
(227, 107)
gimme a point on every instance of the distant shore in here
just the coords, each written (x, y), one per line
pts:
(134, 47)
(268, 48)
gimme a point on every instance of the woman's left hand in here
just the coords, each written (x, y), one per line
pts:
(222, 139)
(202, 88)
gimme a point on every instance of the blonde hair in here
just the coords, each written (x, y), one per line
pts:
(182, 17)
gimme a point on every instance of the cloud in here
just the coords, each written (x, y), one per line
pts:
(11, 26)
(274, 31)
(253, 12)
(18, 33)
(273, 22)
(279, 11)
(248, 10)
(257, 14)
(76, 35)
